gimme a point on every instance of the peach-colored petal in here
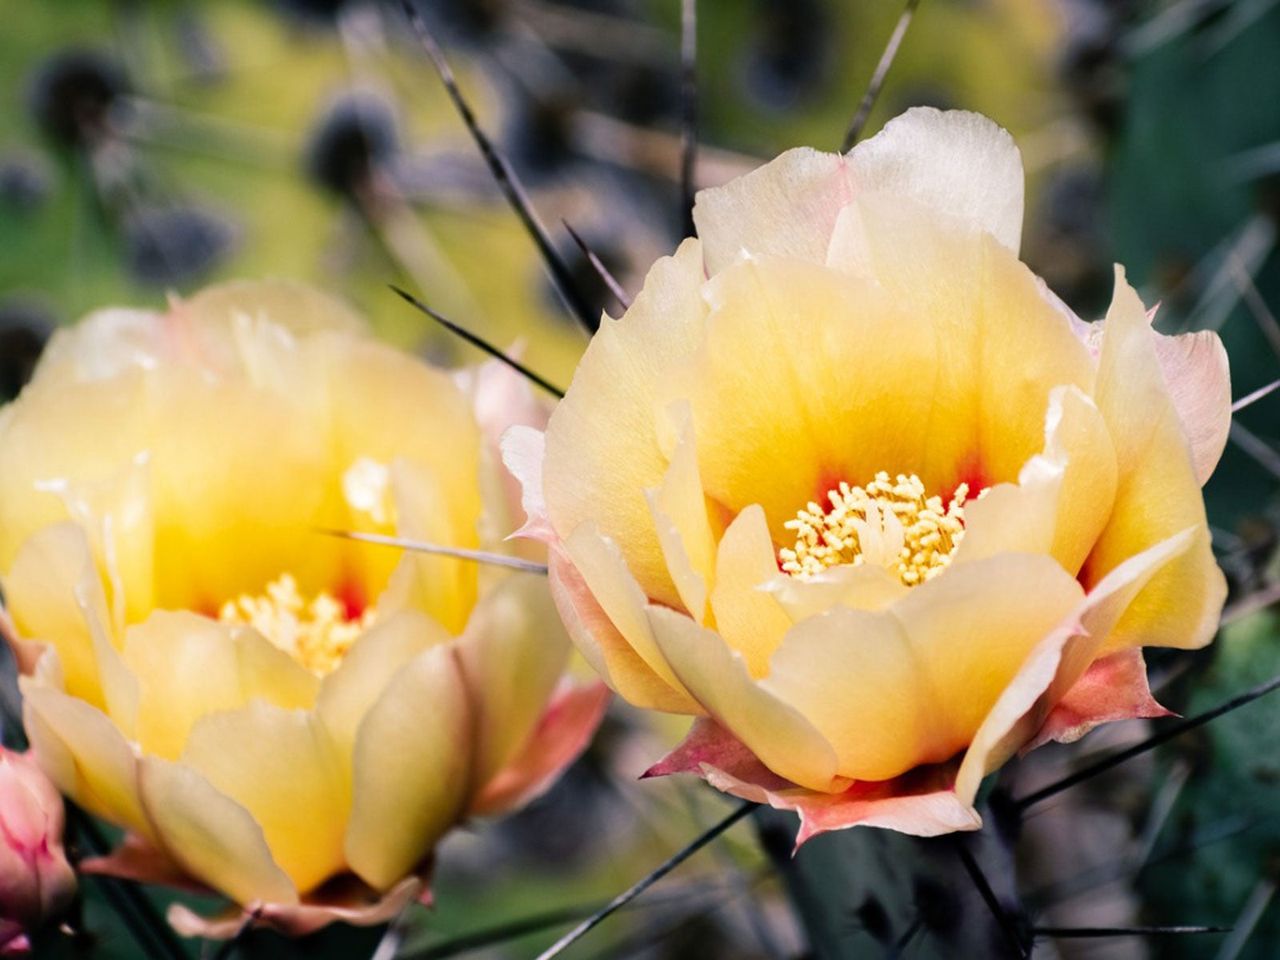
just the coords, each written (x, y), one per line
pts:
(680, 517)
(750, 619)
(602, 444)
(1158, 493)
(523, 450)
(282, 767)
(136, 859)
(718, 677)
(411, 769)
(1113, 688)
(348, 902)
(861, 587)
(215, 839)
(604, 646)
(512, 655)
(1198, 378)
(910, 685)
(565, 730)
(1059, 660)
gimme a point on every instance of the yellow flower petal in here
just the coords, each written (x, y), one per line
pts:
(775, 731)
(911, 684)
(411, 775)
(862, 587)
(213, 838)
(1198, 378)
(281, 766)
(597, 467)
(1158, 493)
(188, 666)
(750, 620)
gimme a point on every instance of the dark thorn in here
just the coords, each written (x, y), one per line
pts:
(1168, 733)
(1002, 918)
(1065, 933)
(484, 345)
(877, 78)
(634, 891)
(230, 945)
(688, 111)
(457, 553)
(504, 175)
(608, 278)
(354, 137)
(73, 94)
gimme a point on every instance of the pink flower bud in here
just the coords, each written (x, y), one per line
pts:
(35, 879)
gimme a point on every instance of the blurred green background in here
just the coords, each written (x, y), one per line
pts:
(149, 148)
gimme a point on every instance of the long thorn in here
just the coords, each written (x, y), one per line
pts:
(1249, 399)
(634, 891)
(877, 79)
(1065, 933)
(688, 110)
(458, 553)
(505, 176)
(1168, 733)
(601, 270)
(477, 341)
(1259, 899)
(1002, 918)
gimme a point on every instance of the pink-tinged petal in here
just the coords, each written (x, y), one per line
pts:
(1059, 660)
(341, 902)
(138, 860)
(787, 208)
(588, 571)
(1113, 688)
(563, 733)
(1198, 378)
(922, 802)
(523, 449)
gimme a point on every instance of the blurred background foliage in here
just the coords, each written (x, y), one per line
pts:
(148, 147)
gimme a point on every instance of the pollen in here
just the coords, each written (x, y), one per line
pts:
(316, 633)
(889, 522)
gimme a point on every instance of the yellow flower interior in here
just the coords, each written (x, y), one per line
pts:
(317, 633)
(888, 522)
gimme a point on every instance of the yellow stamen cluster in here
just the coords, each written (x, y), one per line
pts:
(890, 522)
(316, 634)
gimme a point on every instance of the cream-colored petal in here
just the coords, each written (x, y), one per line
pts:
(523, 451)
(188, 666)
(52, 570)
(1158, 493)
(602, 449)
(775, 731)
(601, 566)
(412, 774)
(951, 161)
(785, 208)
(861, 587)
(281, 765)
(512, 655)
(1058, 660)
(1198, 378)
(84, 755)
(603, 645)
(680, 516)
(911, 684)
(347, 694)
(750, 619)
(213, 838)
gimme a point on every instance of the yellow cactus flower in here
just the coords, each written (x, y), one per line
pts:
(848, 483)
(273, 713)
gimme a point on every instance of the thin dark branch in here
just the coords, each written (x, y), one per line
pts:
(477, 341)
(688, 110)
(1162, 736)
(634, 891)
(148, 928)
(1002, 918)
(1066, 933)
(505, 176)
(601, 270)
(458, 553)
(877, 79)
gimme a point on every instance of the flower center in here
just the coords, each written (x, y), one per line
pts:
(888, 522)
(317, 634)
